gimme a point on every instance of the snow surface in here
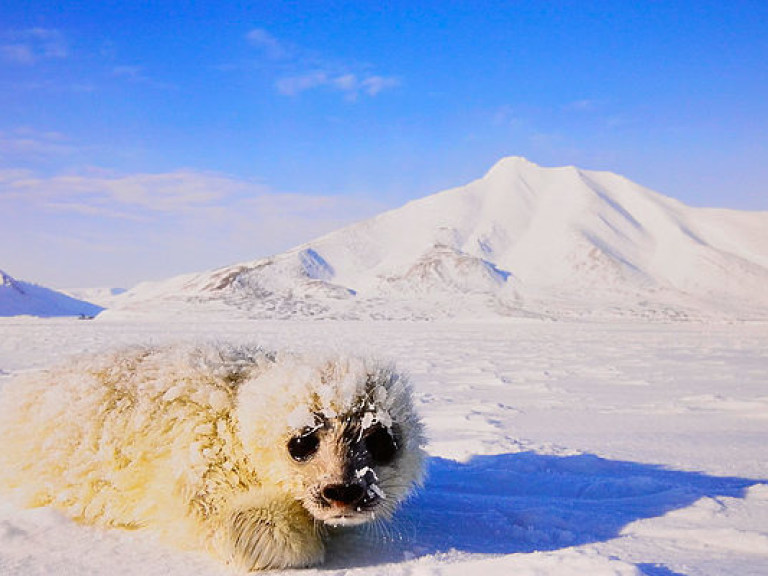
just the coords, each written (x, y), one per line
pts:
(22, 298)
(521, 241)
(556, 448)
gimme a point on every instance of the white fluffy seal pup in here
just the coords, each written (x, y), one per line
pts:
(250, 455)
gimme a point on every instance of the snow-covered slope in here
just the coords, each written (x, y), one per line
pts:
(101, 296)
(522, 240)
(22, 298)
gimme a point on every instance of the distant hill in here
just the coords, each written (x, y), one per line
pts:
(104, 297)
(521, 241)
(19, 298)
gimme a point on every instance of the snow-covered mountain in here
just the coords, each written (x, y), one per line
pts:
(19, 298)
(522, 240)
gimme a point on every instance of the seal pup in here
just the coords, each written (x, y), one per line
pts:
(251, 455)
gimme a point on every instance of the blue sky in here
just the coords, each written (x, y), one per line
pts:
(141, 140)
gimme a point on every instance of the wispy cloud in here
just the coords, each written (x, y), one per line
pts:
(18, 53)
(27, 143)
(136, 74)
(177, 221)
(30, 46)
(303, 71)
(375, 84)
(293, 85)
(348, 84)
(266, 42)
(125, 195)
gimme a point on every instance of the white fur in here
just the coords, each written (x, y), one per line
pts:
(191, 442)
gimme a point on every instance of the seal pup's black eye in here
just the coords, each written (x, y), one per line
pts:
(381, 445)
(302, 448)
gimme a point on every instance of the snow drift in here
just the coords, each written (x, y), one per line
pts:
(522, 240)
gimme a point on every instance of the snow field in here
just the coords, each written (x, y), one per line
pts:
(556, 448)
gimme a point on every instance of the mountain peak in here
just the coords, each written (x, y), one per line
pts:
(512, 164)
(515, 174)
(8, 281)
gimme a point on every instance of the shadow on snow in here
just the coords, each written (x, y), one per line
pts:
(524, 502)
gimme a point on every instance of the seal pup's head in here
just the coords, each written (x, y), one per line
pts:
(338, 434)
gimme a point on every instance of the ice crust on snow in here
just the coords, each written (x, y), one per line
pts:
(521, 241)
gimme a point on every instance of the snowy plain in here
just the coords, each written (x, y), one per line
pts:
(555, 448)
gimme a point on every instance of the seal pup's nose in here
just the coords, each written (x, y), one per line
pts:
(345, 494)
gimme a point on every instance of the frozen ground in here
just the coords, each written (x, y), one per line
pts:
(556, 449)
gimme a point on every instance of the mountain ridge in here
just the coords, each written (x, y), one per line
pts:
(19, 298)
(521, 240)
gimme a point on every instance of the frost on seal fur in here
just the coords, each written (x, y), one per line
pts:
(250, 455)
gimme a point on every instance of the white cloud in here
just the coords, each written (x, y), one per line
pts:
(271, 46)
(375, 84)
(18, 53)
(309, 71)
(32, 45)
(23, 143)
(177, 191)
(294, 85)
(92, 209)
(138, 75)
(347, 83)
